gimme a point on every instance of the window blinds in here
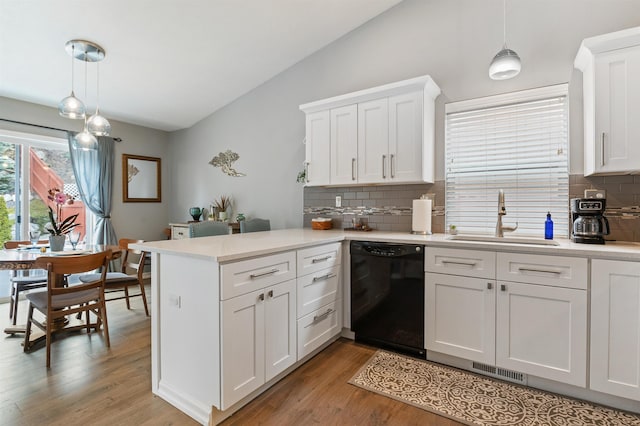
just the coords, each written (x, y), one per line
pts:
(515, 143)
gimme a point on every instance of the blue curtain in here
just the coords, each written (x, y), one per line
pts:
(94, 175)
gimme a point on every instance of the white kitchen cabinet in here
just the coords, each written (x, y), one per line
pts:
(179, 231)
(373, 141)
(460, 316)
(344, 145)
(611, 97)
(258, 339)
(615, 328)
(521, 312)
(317, 148)
(380, 135)
(542, 330)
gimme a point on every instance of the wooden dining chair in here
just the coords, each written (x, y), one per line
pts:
(254, 225)
(22, 280)
(131, 272)
(57, 301)
(208, 228)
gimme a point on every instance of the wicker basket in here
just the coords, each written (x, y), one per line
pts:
(321, 224)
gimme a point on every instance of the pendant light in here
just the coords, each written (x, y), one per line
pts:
(71, 107)
(506, 64)
(84, 140)
(97, 124)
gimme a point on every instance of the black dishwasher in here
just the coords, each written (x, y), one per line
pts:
(387, 296)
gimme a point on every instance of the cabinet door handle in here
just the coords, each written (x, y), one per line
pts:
(391, 161)
(503, 287)
(457, 262)
(602, 147)
(273, 271)
(547, 271)
(270, 294)
(384, 171)
(261, 297)
(320, 259)
(320, 317)
(324, 277)
(353, 169)
(489, 286)
(306, 172)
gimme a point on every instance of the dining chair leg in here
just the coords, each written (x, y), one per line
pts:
(144, 299)
(15, 298)
(13, 292)
(27, 333)
(103, 316)
(126, 296)
(48, 340)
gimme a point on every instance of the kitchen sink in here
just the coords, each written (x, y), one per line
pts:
(505, 240)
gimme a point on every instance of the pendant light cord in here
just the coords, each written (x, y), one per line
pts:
(72, 58)
(504, 23)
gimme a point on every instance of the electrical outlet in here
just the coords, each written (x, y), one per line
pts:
(338, 201)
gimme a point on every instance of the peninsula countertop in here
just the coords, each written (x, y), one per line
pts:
(228, 248)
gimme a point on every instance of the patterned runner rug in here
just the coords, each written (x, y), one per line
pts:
(474, 399)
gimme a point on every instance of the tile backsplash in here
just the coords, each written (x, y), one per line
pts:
(388, 207)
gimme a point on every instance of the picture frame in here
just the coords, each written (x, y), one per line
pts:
(141, 179)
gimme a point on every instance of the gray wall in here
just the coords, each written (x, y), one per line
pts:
(130, 220)
(451, 40)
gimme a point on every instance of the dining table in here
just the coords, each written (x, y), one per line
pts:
(23, 258)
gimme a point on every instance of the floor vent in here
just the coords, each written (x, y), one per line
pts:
(501, 373)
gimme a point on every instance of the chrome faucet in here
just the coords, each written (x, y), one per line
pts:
(502, 211)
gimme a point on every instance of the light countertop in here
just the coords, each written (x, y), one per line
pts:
(227, 248)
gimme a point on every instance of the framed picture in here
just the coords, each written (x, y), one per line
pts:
(141, 179)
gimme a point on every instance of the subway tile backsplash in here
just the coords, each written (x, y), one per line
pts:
(388, 207)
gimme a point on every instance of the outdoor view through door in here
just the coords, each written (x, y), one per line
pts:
(30, 165)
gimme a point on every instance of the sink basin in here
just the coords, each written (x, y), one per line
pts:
(505, 240)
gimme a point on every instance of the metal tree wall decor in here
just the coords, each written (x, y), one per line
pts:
(225, 160)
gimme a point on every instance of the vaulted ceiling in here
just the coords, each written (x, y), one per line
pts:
(168, 63)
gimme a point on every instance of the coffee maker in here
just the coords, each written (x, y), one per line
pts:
(589, 224)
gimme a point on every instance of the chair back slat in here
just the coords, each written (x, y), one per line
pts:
(58, 267)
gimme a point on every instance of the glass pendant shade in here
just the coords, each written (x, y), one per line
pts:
(506, 64)
(84, 141)
(98, 125)
(72, 107)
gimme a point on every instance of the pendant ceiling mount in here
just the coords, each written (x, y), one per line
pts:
(84, 50)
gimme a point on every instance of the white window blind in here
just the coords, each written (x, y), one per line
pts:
(516, 142)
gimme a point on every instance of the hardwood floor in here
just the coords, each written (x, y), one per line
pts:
(90, 384)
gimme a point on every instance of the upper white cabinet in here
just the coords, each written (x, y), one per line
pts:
(379, 135)
(610, 64)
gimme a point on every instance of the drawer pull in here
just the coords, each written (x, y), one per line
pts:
(317, 318)
(457, 262)
(503, 287)
(270, 294)
(489, 286)
(546, 271)
(324, 277)
(261, 297)
(273, 271)
(320, 259)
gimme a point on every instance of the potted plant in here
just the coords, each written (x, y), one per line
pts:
(222, 204)
(57, 226)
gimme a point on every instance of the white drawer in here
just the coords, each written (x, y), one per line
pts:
(317, 328)
(557, 271)
(470, 263)
(253, 274)
(317, 258)
(179, 232)
(317, 289)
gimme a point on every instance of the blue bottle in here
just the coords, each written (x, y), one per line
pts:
(548, 227)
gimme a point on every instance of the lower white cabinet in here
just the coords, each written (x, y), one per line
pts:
(535, 324)
(460, 316)
(615, 328)
(542, 330)
(258, 339)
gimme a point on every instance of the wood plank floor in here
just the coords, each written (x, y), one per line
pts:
(90, 384)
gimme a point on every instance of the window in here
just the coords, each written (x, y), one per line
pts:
(517, 142)
(29, 166)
